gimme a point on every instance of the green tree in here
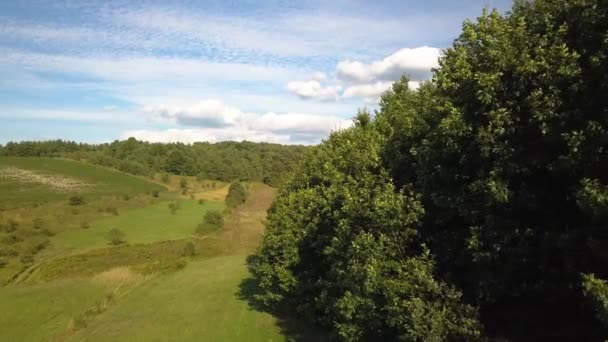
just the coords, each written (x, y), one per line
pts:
(237, 194)
(340, 246)
(212, 220)
(507, 149)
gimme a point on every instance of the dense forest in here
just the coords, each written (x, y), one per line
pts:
(224, 161)
(474, 208)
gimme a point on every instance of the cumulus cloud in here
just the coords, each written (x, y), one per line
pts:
(416, 62)
(314, 90)
(209, 113)
(370, 80)
(212, 120)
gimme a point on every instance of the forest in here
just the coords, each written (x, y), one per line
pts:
(225, 161)
(474, 208)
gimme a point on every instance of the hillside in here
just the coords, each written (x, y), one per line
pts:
(27, 180)
(64, 281)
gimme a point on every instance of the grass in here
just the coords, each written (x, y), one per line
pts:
(143, 225)
(198, 303)
(26, 180)
(39, 312)
(63, 295)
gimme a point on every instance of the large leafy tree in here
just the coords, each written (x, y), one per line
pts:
(508, 148)
(341, 247)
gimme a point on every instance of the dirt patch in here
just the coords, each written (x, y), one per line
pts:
(57, 182)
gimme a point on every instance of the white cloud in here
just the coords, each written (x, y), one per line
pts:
(416, 62)
(212, 120)
(314, 90)
(319, 76)
(210, 113)
(299, 123)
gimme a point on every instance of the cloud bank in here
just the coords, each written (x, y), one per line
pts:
(369, 80)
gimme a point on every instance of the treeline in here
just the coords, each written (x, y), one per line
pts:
(475, 208)
(225, 161)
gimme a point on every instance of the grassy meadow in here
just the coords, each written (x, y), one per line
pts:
(26, 180)
(64, 280)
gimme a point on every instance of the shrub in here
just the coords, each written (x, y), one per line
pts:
(47, 232)
(126, 197)
(183, 183)
(165, 178)
(155, 193)
(116, 237)
(37, 223)
(112, 210)
(201, 201)
(174, 207)
(189, 249)
(3, 262)
(212, 220)
(237, 194)
(76, 200)
(84, 225)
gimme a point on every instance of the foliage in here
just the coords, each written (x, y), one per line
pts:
(212, 220)
(500, 161)
(76, 200)
(596, 290)
(237, 194)
(341, 247)
(116, 236)
(189, 249)
(506, 147)
(225, 161)
(183, 183)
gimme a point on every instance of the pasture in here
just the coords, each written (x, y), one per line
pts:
(26, 180)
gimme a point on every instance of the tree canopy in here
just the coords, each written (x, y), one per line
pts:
(225, 161)
(484, 191)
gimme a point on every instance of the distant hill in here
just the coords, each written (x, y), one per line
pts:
(37, 180)
(225, 161)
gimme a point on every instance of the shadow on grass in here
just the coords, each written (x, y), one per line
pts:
(292, 328)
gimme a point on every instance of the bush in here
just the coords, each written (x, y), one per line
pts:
(237, 194)
(155, 193)
(3, 262)
(76, 200)
(174, 207)
(112, 210)
(38, 223)
(116, 237)
(183, 183)
(189, 249)
(212, 220)
(165, 178)
(201, 201)
(84, 225)
(47, 232)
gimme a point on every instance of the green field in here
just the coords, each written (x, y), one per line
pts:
(26, 180)
(42, 312)
(143, 225)
(197, 303)
(80, 288)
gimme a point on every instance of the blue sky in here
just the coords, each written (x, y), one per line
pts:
(278, 71)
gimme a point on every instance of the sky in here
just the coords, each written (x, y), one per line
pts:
(286, 72)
